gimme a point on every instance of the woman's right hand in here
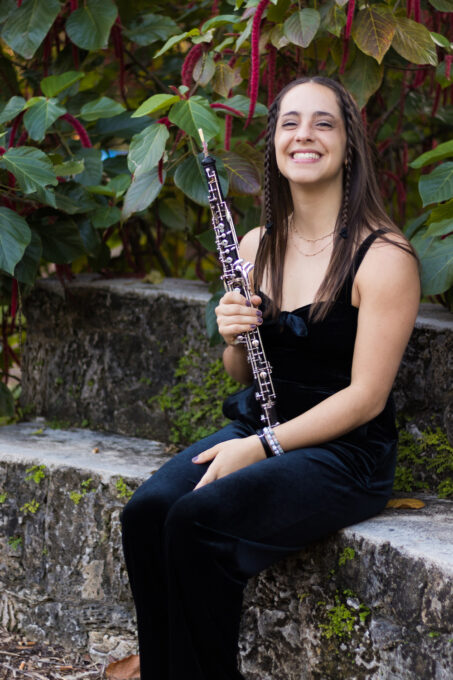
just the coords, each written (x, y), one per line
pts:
(235, 315)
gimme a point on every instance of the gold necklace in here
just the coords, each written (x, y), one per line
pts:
(309, 240)
(315, 253)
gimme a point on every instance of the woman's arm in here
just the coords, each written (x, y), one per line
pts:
(387, 284)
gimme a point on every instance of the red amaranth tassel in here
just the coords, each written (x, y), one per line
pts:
(255, 65)
(345, 56)
(74, 4)
(46, 54)
(271, 62)
(349, 18)
(164, 121)
(219, 105)
(160, 166)
(417, 10)
(364, 119)
(79, 128)
(188, 66)
(409, 8)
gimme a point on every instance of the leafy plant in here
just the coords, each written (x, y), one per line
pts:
(101, 102)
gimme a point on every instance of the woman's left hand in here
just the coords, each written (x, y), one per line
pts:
(228, 457)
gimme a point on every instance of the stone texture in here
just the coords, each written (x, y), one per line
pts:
(101, 350)
(66, 580)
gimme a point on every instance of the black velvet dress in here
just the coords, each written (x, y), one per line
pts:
(189, 553)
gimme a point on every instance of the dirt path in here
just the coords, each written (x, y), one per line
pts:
(26, 660)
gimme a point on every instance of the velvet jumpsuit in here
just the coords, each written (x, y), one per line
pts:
(189, 553)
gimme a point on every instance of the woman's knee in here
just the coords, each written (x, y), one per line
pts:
(148, 506)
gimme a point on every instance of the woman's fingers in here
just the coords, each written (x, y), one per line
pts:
(236, 315)
(206, 456)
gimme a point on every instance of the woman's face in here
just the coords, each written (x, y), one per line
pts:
(310, 136)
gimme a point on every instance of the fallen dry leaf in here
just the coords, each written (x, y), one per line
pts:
(124, 669)
(412, 503)
(95, 450)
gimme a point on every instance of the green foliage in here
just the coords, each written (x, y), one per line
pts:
(15, 542)
(85, 487)
(3, 497)
(122, 489)
(425, 463)
(342, 617)
(346, 555)
(80, 85)
(194, 410)
(35, 473)
(30, 507)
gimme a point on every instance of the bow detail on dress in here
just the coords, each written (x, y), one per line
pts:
(294, 323)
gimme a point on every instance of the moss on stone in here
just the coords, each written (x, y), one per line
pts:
(425, 462)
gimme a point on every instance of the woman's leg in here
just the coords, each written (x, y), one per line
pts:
(143, 519)
(221, 534)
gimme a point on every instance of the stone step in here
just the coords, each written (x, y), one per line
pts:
(373, 601)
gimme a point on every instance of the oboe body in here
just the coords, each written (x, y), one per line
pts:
(236, 278)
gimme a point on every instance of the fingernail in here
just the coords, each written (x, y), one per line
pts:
(252, 328)
(259, 312)
(194, 459)
(248, 303)
(260, 321)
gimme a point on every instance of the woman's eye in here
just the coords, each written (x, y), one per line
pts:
(324, 123)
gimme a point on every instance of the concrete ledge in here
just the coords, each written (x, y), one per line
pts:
(101, 350)
(373, 601)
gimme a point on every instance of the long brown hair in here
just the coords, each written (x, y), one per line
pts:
(361, 208)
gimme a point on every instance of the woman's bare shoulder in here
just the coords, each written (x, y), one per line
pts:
(250, 242)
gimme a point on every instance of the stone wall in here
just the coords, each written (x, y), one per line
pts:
(98, 352)
(101, 350)
(374, 601)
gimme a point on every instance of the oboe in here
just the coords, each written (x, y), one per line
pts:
(235, 277)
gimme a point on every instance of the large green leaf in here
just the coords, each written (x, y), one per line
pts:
(363, 78)
(120, 127)
(72, 198)
(436, 256)
(27, 269)
(41, 115)
(438, 185)
(441, 220)
(175, 39)
(244, 178)
(158, 102)
(90, 237)
(89, 26)
(191, 179)
(204, 70)
(13, 107)
(151, 27)
(175, 214)
(104, 107)
(242, 104)
(147, 149)
(31, 167)
(115, 188)
(373, 30)
(105, 216)
(53, 85)
(61, 241)
(15, 235)
(225, 79)
(6, 8)
(442, 5)
(441, 151)
(335, 20)
(192, 114)
(92, 173)
(220, 20)
(69, 168)
(142, 192)
(301, 27)
(28, 25)
(413, 42)
(6, 401)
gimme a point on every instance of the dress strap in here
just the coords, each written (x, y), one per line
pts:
(345, 295)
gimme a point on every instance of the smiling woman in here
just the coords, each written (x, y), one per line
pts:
(336, 296)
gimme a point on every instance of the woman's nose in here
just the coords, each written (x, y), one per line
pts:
(303, 133)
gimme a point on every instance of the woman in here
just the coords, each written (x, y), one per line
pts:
(338, 296)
